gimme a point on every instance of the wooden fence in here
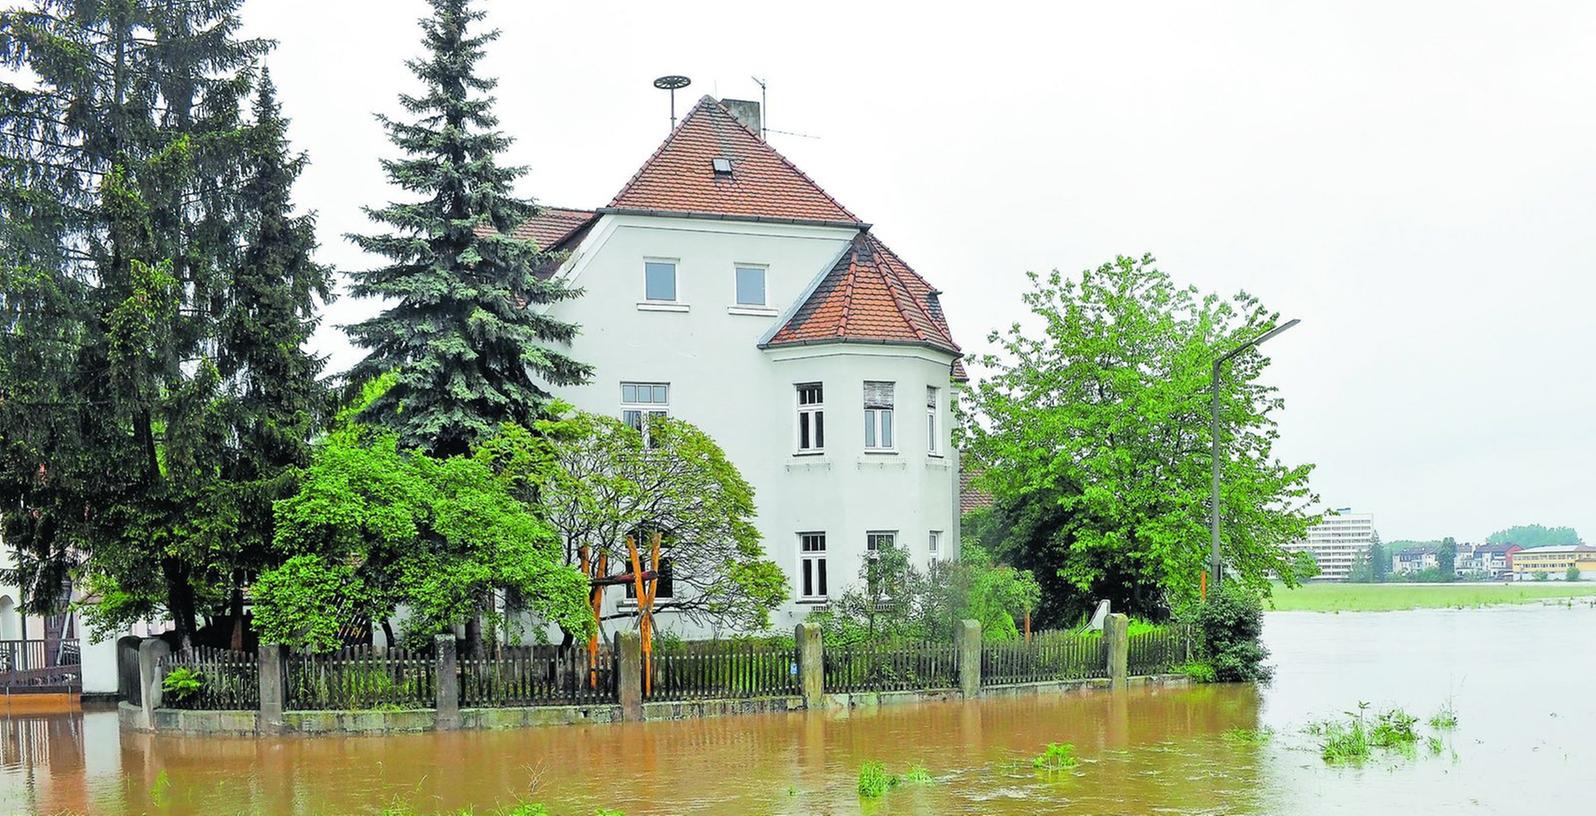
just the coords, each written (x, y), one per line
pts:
(1047, 656)
(718, 669)
(926, 665)
(537, 675)
(227, 679)
(359, 677)
(40, 666)
(1159, 650)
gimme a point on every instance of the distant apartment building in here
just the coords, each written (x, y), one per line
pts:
(1554, 562)
(1413, 559)
(1337, 541)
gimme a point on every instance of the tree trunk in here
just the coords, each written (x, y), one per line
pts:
(237, 609)
(473, 636)
(387, 632)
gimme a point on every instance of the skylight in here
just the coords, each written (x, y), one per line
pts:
(722, 166)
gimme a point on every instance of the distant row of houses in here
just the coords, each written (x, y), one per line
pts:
(1343, 539)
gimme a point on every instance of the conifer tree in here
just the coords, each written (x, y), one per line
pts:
(120, 135)
(465, 335)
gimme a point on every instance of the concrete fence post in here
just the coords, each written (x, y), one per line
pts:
(811, 665)
(151, 650)
(968, 643)
(270, 657)
(629, 674)
(1116, 639)
(447, 683)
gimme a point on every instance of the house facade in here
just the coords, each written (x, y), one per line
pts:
(724, 287)
(1552, 563)
(1413, 559)
(1337, 542)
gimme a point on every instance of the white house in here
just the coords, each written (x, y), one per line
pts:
(724, 287)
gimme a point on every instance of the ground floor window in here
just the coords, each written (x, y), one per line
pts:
(812, 566)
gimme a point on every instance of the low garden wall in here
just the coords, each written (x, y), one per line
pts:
(361, 691)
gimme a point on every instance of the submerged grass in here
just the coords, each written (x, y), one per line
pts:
(874, 781)
(1058, 756)
(917, 775)
(1353, 738)
(1247, 736)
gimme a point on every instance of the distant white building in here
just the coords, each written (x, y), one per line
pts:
(1413, 559)
(1338, 541)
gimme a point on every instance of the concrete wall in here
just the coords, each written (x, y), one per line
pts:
(744, 397)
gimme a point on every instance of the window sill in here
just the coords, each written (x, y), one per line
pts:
(809, 453)
(812, 601)
(880, 452)
(661, 306)
(752, 311)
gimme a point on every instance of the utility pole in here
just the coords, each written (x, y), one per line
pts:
(1213, 500)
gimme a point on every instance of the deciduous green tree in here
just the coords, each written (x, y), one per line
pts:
(1093, 429)
(1530, 536)
(608, 484)
(465, 332)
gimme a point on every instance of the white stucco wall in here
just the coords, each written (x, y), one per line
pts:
(744, 396)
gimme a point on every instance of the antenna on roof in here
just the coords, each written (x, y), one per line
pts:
(672, 82)
(764, 107)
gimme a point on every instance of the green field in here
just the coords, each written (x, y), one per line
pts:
(1389, 597)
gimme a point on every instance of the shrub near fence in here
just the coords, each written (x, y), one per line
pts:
(901, 667)
(228, 680)
(359, 677)
(1159, 650)
(713, 669)
(1047, 656)
(537, 675)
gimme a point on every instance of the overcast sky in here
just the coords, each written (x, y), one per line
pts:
(1416, 183)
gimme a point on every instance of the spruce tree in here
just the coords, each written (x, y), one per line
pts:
(268, 317)
(464, 336)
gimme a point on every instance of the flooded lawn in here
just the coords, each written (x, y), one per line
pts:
(1516, 677)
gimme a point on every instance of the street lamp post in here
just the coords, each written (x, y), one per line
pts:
(1213, 501)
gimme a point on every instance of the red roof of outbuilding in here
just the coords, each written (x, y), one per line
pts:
(680, 176)
(552, 225)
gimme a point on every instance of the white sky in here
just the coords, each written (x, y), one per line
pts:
(1416, 183)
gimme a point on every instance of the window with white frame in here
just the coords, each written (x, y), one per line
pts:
(811, 566)
(934, 544)
(811, 417)
(875, 542)
(750, 285)
(659, 280)
(934, 439)
(878, 415)
(641, 402)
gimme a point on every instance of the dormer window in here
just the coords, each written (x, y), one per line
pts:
(722, 166)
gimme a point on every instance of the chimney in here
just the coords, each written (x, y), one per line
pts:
(746, 112)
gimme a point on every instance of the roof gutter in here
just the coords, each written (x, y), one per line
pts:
(757, 219)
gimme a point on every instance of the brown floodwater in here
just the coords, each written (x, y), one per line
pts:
(1519, 679)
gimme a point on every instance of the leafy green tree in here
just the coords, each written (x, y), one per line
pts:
(120, 135)
(1573, 573)
(465, 333)
(606, 484)
(1446, 559)
(1530, 536)
(1093, 429)
(373, 527)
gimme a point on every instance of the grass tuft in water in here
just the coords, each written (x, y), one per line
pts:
(1247, 736)
(874, 781)
(1445, 719)
(1058, 756)
(917, 775)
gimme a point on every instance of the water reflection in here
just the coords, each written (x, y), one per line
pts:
(1149, 750)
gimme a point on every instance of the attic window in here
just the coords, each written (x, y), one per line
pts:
(722, 166)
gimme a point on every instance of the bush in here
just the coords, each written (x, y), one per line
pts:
(1230, 628)
(182, 683)
(1573, 573)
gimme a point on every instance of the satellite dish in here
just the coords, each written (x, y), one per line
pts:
(672, 83)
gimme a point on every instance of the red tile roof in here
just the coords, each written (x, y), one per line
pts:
(872, 296)
(552, 225)
(679, 177)
(971, 498)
